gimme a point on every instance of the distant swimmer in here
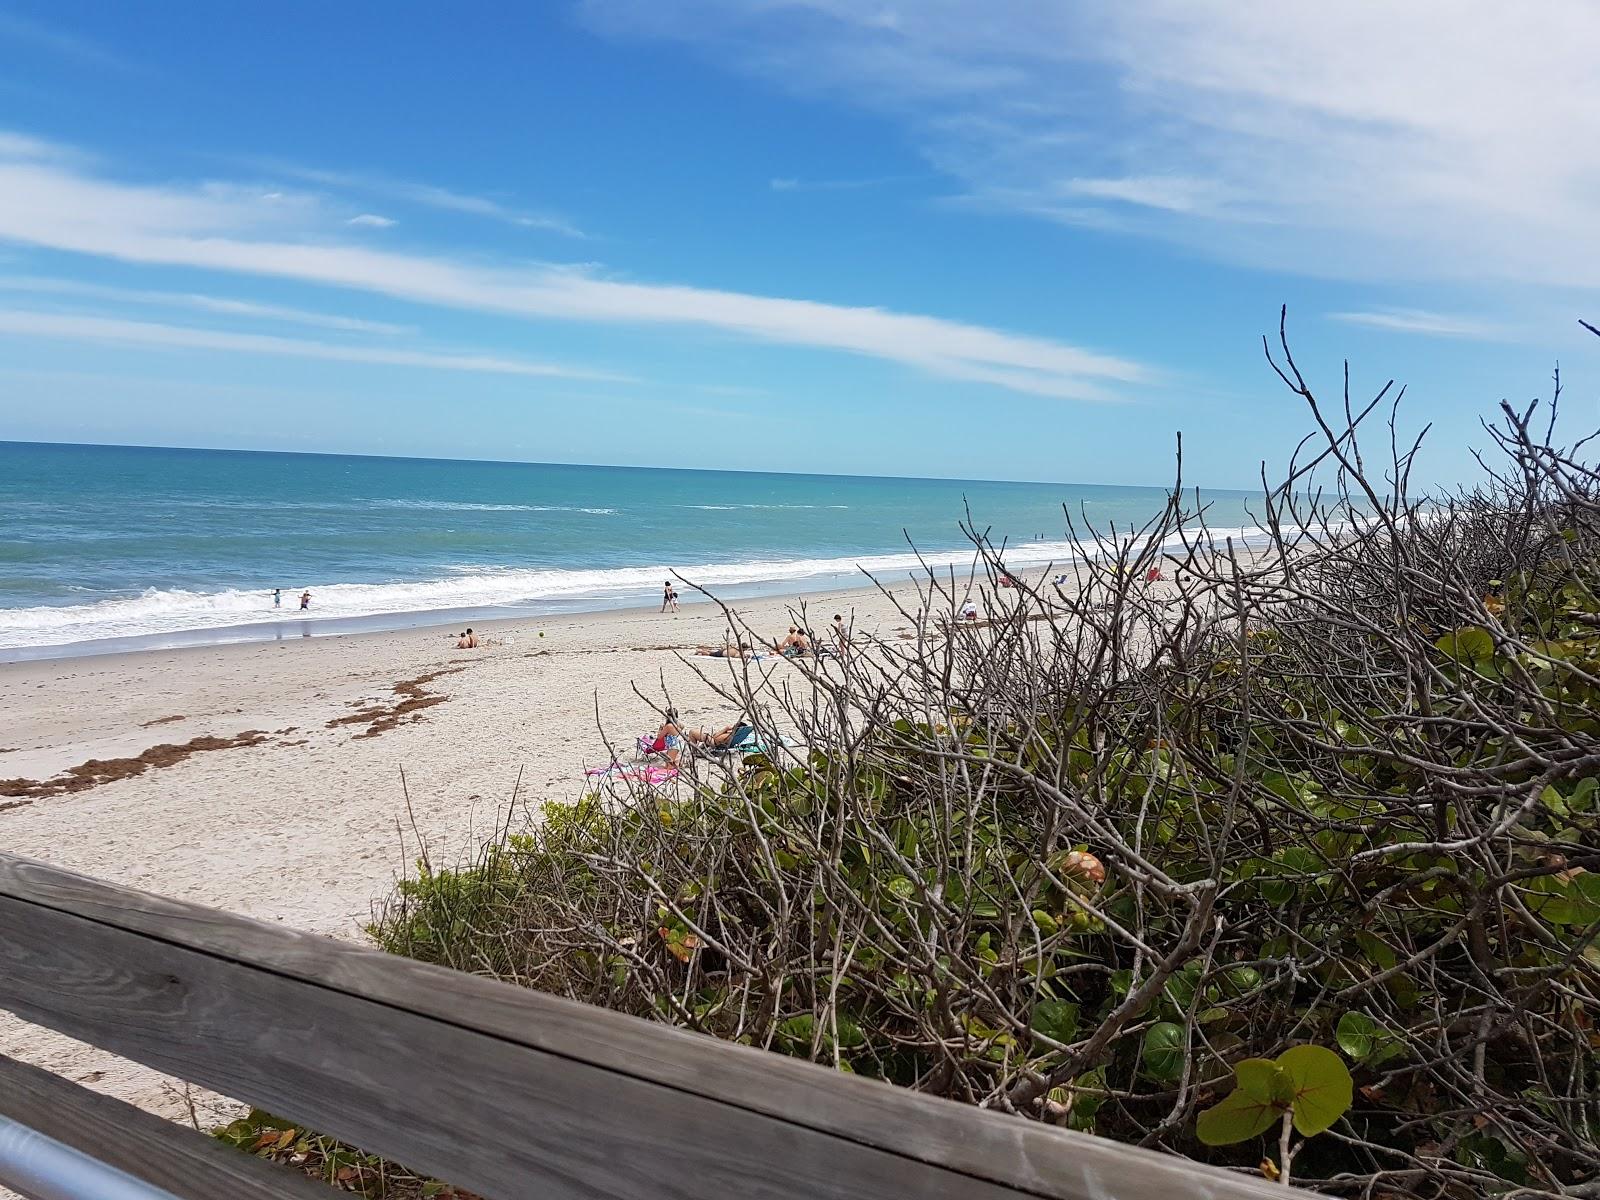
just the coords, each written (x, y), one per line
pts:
(305, 601)
(277, 597)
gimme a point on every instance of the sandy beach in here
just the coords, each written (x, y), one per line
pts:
(265, 778)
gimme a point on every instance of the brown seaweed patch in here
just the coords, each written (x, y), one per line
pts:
(164, 720)
(413, 698)
(106, 770)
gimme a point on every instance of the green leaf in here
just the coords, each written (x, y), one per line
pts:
(1356, 1034)
(1264, 1080)
(798, 1031)
(1323, 1089)
(1472, 645)
(1237, 1118)
(1164, 1051)
(1365, 1041)
(1056, 1019)
(1240, 981)
(1180, 989)
(1573, 901)
(850, 1035)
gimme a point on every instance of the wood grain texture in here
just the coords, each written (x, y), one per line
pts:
(185, 1163)
(291, 1020)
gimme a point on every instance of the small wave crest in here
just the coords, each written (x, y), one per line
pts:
(472, 506)
(737, 507)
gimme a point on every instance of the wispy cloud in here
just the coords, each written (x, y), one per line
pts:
(152, 336)
(372, 221)
(200, 302)
(64, 208)
(426, 195)
(831, 185)
(1419, 321)
(35, 36)
(1364, 139)
(1168, 192)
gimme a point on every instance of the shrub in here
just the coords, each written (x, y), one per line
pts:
(1082, 862)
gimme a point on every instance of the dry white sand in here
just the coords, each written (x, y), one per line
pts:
(309, 825)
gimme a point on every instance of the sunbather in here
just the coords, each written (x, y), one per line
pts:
(727, 738)
(795, 644)
(743, 650)
(670, 737)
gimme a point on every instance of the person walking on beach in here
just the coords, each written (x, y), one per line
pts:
(305, 600)
(841, 635)
(669, 597)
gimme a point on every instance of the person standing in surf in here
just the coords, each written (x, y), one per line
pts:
(305, 600)
(277, 597)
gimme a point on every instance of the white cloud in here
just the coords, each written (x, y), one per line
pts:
(20, 146)
(372, 221)
(197, 301)
(216, 228)
(1416, 320)
(145, 335)
(426, 195)
(1436, 139)
(1172, 193)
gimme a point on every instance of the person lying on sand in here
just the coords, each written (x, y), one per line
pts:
(742, 650)
(732, 735)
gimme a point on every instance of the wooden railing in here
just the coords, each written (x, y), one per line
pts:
(494, 1088)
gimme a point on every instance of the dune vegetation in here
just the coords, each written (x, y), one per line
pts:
(1288, 862)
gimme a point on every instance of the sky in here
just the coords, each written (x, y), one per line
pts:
(971, 238)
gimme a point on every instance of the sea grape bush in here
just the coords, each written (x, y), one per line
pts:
(1301, 839)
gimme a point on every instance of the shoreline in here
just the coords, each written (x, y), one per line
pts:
(292, 628)
(289, 626)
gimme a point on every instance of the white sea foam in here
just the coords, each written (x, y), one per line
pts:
(469, 506)
(166, 611)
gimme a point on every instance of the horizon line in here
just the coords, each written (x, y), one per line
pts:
(520, 462)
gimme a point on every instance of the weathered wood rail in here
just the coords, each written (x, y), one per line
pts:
(495, 1088)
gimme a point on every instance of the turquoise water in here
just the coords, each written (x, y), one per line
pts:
(102, 542)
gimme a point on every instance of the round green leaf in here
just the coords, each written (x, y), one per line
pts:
(1237, 1118)
(1057, 1019)
(1356, 1034)
(1323, 1089)
(1472, 645)
(1163, 1051)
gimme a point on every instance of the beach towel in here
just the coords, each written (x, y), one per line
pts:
(651, 776)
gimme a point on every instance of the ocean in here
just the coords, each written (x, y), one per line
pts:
(111, 547)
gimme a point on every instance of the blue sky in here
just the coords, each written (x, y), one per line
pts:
(979, 238)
